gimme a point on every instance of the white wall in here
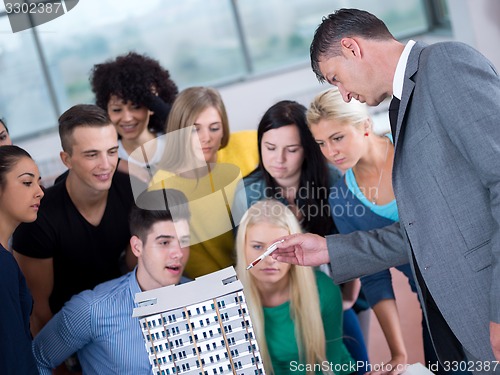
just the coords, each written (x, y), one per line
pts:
(477, 23)
(246, 102)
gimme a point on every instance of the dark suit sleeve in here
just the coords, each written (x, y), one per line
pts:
(468, 104)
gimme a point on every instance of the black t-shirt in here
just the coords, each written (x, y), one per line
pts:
(84, 255)
(15, 344)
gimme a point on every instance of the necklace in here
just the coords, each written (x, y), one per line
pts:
(375, 196)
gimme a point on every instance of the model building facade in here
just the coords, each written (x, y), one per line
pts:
(202, 327)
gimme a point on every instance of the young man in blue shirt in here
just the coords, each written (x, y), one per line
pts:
(98, 323)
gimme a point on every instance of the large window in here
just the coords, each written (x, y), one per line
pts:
(279, 32)
(24, 98)
(195, 40)
(45, 70)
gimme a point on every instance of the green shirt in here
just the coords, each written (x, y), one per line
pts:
(280, 334)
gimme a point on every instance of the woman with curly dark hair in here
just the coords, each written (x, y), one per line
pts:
(137, 93)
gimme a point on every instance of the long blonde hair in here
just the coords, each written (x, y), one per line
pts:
(304, 298)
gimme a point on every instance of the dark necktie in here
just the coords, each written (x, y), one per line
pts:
(393, 115)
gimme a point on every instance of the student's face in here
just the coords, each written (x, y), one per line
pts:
(4, 136)
(342, 144)
(164, 254)
(131, 120)
(94, 156)
(282, 152)
(21, 195)
(354, 78)
(267, 272)
(208, 128)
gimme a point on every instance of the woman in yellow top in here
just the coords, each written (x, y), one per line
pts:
(197, 128)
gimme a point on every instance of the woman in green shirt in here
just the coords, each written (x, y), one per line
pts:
(296, 312)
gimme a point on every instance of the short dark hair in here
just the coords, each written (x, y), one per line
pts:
(85, 115)
(343, 23)
(153, 206)
(131, 77)
(4, 125)
(9, 156)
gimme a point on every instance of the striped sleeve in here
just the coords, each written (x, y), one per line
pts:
(67, 332)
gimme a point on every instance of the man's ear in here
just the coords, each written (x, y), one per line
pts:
(136, 246)
(350, 47)
(66, 159)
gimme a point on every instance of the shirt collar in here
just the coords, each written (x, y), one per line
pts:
(133, 283)
(399, 75)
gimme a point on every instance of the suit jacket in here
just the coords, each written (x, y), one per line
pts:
(446, 179)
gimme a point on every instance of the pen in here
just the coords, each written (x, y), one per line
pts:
(269, 250)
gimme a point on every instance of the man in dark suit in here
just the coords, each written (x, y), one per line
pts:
(446, 179)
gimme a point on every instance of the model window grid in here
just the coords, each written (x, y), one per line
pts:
(167, 335)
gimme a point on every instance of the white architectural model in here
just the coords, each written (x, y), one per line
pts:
(201, 327)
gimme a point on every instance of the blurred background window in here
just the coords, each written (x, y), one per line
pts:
(44, 70)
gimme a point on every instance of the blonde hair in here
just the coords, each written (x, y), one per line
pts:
(329, 105)
(304, 298)
(188, 105)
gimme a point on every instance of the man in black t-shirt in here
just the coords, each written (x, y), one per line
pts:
(82, 226)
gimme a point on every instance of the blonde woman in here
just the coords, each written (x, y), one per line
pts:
(296, 311)
(196, 129)
(364, 198)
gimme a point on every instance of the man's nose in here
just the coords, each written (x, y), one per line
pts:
(346, 95)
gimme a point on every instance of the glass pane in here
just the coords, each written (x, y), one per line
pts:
(441, 11)
(280, 32)
(403, 18)
(195, 40)
(24, 98)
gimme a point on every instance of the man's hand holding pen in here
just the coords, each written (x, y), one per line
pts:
(304, 249)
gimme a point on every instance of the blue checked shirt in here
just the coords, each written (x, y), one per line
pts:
(97, 324)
